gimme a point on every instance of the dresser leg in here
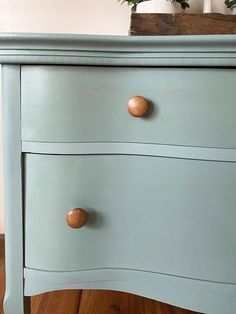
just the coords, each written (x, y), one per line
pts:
(16, 304)
(14, 301)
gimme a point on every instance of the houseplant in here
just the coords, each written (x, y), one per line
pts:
(232, 5)
(157, 6)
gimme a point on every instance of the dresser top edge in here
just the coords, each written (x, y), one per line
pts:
(33, 48)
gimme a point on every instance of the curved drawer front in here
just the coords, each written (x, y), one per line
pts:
(190, 106)
(164, 215)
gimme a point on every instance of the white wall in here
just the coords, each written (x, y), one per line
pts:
(106, 17)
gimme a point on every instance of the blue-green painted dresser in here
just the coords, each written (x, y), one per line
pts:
(157, 193)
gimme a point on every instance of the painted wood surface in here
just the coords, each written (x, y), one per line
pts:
(130, 201)
(185, 152)
(193, 107)
(203, 296)
(211, 51)
(186, 206)
(91, 301)
(14, 296)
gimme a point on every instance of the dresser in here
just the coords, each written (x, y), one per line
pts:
(120, 167)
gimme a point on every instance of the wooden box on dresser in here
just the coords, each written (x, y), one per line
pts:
(98, 194)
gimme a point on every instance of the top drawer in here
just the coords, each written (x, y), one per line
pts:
(191, 106)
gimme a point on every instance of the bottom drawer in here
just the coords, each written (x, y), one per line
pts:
(164, 215)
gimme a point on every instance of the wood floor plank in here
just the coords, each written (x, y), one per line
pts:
(114, 302)
(2, 283)
(35, 303)
(58, 302)
(2, 271)
(2, 246)
(100, 302)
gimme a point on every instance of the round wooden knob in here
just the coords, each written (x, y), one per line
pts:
(138, 106)
(77, 218)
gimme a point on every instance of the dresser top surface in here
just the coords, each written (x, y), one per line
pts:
(114, 43)
(36, 48)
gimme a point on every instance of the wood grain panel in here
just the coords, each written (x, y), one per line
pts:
(182, 24)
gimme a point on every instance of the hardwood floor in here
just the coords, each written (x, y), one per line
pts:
(2, 283)
(91, 302)
(110, 302)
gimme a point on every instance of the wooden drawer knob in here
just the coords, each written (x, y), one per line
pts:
(138, 106)
(77, 218)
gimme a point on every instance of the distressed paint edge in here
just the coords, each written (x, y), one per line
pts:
(202, 296)
(157, 150)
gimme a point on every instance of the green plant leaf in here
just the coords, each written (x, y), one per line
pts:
(230, 3)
